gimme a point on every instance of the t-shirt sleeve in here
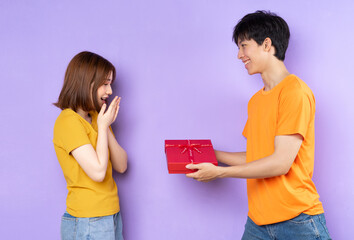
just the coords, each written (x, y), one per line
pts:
(245, 129)
(294, 113)
(70, 133)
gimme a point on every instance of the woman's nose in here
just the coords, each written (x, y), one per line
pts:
(109, 90)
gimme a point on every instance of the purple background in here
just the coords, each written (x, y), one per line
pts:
(179, 77)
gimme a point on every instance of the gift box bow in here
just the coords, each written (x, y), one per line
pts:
(190, 147)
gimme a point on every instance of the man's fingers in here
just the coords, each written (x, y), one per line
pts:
(193, 166)
(205, 172)
(191, 175)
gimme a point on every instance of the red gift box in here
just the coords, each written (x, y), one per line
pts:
(180, 153)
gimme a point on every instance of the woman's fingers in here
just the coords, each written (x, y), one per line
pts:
(113, 109)
(103, 108)
(116, 113)
(112, 106)
(116, 109)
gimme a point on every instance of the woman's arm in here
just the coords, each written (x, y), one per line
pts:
(94, 163)
(119, 157)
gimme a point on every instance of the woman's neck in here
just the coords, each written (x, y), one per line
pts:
(84, 115)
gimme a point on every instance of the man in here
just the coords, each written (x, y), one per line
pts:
(279, 159)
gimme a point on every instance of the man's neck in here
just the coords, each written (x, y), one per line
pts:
(274, 74)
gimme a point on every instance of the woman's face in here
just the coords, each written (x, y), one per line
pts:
(105, 90)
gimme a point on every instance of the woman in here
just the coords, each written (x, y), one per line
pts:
(87, 149)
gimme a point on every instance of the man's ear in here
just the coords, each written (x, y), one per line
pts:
(267, 44)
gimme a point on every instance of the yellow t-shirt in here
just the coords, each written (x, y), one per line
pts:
(288, 108)
(86, 198)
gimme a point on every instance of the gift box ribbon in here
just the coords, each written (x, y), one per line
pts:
(190, 147)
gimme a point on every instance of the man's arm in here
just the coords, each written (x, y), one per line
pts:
(231, 158)
(286, 148)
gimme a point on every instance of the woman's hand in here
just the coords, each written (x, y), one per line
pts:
(106, 118)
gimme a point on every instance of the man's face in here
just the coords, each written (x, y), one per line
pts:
(252, 55)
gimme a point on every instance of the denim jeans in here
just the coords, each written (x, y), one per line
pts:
(302, 227)
(106, 227)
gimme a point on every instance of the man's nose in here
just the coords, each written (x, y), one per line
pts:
(239, 54)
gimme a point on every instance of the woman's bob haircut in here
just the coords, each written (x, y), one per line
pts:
(86, 72)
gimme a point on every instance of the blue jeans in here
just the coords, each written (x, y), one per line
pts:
(106, 227)
(302, 227)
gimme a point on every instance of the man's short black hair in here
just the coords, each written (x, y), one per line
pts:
(260, 25)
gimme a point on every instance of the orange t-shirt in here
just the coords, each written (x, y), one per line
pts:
(288, 108)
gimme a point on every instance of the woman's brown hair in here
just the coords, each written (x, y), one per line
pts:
(86, 72)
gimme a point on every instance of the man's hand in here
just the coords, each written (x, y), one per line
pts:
(206, 172)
